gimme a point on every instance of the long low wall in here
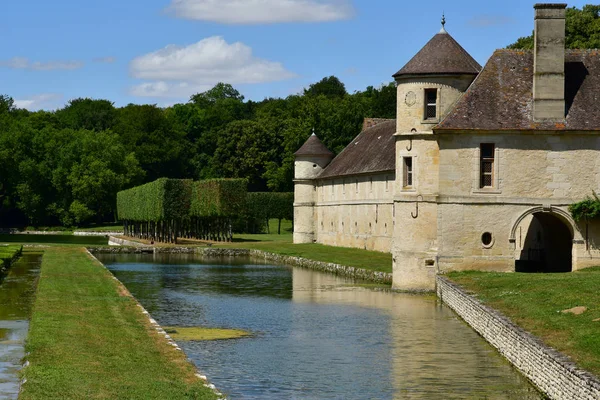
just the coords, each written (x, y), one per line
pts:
(552, 372)
(357, 273)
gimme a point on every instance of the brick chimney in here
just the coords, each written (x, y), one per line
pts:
(549, 62)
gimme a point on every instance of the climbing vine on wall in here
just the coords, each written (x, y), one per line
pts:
(588, 208)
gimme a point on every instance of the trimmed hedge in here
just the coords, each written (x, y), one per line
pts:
(263, 206)
(161, 200)
(166, 209)
(219, 198)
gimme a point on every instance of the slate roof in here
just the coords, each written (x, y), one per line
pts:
(373, 150)
(501, 97)
(313, 147)
(442, 55)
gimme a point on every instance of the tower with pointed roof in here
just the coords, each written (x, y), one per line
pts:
(428, 87)
(310, 161)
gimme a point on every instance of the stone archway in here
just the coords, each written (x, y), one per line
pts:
(544, 241)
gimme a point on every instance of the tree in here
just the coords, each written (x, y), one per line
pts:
(329, 87)
(243, 150)
(89, 114)
(582, 30)
(219, 92)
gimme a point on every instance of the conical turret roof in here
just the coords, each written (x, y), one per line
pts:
(313, 147)
(442, 55)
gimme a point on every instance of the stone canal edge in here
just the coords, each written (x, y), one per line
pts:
(552, 372)
(159, 329)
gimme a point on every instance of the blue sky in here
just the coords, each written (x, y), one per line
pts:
(162, 51)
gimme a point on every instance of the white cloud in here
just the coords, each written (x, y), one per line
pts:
(40, 101)
(25, 63)
(177, 71)
(262, 11)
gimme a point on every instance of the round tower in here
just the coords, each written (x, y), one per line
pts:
(428, 87)
(431, 82)
(311, 160)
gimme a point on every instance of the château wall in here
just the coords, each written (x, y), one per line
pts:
(355, 211)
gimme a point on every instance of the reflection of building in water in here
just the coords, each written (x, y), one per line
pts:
(474, 158)
(431, 353)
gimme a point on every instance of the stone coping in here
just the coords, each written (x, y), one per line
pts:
(552, 372)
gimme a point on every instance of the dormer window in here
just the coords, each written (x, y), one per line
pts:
(430, 111)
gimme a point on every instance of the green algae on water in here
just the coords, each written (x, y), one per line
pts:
(199, 333)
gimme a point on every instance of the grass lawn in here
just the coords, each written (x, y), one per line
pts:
(89, 340)
(535, 302)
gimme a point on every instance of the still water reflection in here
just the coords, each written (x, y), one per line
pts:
(17, 291)
(316, 336)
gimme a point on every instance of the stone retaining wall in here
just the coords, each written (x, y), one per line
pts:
(357, 273)
(115, 241)
(552, 372)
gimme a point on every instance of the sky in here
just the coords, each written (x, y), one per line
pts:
(163, 51)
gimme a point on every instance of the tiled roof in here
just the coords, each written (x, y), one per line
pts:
(501, 97)
(373, 150)
(313, 147)
(442, 55)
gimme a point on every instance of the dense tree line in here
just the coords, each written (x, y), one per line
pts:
(582, 30)
(66, 166)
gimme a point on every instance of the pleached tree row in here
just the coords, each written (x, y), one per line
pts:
(168, 209)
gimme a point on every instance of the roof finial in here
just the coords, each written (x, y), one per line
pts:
(443, 30)
(314, 132)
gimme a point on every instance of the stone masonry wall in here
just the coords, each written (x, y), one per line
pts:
(357, 273)
(552, 372)
(355, 211)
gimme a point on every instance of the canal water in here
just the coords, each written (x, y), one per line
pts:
(17, 291)
(316, 336)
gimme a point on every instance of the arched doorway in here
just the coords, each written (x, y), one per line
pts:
(545, 244)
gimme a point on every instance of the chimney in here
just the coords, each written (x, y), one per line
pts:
(549, 62)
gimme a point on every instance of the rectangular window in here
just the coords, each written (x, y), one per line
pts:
(408, 172)
(486, 157)
(430, 103)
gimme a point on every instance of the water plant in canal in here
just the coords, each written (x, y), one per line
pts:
(198, 333)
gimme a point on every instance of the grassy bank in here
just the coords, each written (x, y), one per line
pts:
(535, 302)
(89, 340)
(8, 254)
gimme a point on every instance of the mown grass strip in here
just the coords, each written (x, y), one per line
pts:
(282, 244)
(535, 302)
(88, 339)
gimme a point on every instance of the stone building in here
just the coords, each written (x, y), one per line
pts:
(478, 169)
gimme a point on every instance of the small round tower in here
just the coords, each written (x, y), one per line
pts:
(311, 160)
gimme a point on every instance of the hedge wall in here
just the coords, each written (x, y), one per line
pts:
(263, 206)
(219, 198)
(161, 200)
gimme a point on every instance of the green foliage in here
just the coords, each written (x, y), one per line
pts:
(328, 87)
(219, 198)
(163, 199)
(90, 114)
(86, 152)
(582, 30)
(587, 209)
(265, 205)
